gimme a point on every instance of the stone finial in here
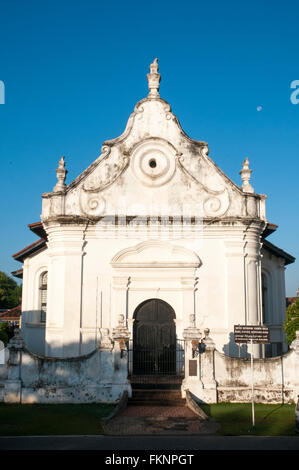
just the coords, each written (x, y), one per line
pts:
(245, 175)
(61, 175)
(207, 332)
(207, 340)
(121, 332)
(106, 342)
(154, 79)
(16, 341)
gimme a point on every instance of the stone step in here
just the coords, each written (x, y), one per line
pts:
(156, 403)
(156, 397)
(156, 392)
(155, 382)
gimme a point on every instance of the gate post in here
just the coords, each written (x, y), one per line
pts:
(13, 384)
(208, 369)
(192, 380)
(106, 359)
(121, 336)
(295, 347)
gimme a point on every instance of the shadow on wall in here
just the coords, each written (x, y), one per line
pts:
(4, 356)
(233, 349)
(100, 376)
(33, 332)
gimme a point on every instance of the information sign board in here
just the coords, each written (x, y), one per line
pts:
(257, 333)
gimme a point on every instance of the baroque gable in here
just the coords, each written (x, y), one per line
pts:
(154, 169)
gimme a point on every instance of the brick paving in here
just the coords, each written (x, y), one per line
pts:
(164, 420)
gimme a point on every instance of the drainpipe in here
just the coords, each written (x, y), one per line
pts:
(84, 242)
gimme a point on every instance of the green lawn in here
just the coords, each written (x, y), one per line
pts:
(236, 419)
(26, 420)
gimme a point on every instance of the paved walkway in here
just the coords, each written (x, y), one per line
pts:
(162, 420)
(154, 428)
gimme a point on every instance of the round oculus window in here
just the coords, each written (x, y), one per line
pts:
(153, 162)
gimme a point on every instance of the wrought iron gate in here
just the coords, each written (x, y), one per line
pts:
(161, 364)
(155, 353)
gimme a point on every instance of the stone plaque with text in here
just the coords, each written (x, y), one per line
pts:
(192, 367)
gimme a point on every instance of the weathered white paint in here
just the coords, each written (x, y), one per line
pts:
(208, 265)
(152, 217)
(101, 376)
(226, 379)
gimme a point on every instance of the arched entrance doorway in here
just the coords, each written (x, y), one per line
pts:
(154, 339)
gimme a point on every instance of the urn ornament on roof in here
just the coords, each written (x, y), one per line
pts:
(245, 175)
(61, 173)
(154, 79)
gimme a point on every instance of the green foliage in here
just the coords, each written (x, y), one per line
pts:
(4, 333)
(291, 324)
(10, 292)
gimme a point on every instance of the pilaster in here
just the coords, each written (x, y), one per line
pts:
(66, 251)
(252, 257)
(192, 338)
(234, 305)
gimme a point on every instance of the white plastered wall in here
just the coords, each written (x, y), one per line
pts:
(273, 267)
(33, 330)
(112, 274)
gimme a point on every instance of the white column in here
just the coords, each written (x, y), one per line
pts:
(253, 281)
(25, 302)
(64, 292)
(235, 306)
(282, 292)
(252, 291)
(282, 304)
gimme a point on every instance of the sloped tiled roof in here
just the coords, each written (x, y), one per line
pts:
(278, 252)
(38, 229)
(13, 314)
(29, 250)
(18, 273)
(290, 300)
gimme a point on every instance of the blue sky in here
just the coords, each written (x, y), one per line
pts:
(74, 70)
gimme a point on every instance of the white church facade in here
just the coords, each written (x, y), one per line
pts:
(154, 231)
